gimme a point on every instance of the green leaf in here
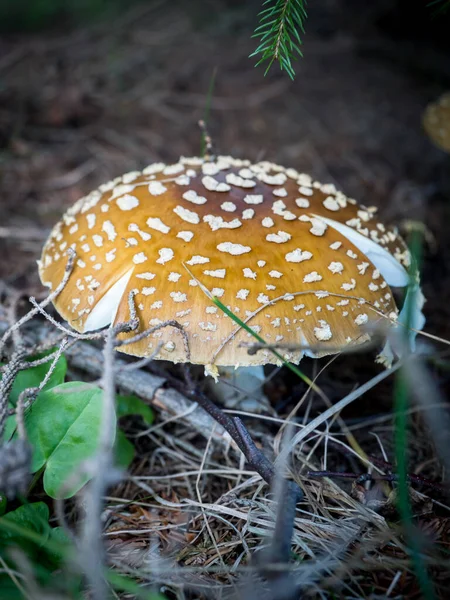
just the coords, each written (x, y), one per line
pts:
(30, 528)
(132, 405)
(9, 589)
(33, 377)
(63, 426)
(127, 584)
(10, 425)
(123, 450)
(59, 543)
(3, 503)
(44, 547)
(32, 517)
(129, 405)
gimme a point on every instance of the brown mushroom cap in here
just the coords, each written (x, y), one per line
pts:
(436, 122)
(296, 260)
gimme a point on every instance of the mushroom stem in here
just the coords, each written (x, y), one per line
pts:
(291, 492)
(240, 387)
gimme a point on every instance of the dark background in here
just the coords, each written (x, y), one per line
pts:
(91, 89)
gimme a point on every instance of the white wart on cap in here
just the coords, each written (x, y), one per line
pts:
(295, 259)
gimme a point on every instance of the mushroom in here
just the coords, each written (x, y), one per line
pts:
(296, 260)
(436, 122)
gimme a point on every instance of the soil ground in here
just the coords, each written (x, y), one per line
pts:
(80, 107)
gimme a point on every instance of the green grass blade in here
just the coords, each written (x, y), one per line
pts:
(401, 397)
(261, 340)
(208, 102)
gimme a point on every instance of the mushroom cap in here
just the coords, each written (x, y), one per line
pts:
(296, 260)
(436, 122)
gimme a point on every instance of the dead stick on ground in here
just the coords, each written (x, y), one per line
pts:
(149, 387)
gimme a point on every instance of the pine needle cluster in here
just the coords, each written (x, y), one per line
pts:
(439, 6)
(281, 23)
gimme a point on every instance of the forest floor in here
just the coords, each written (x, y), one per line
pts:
(79, 108)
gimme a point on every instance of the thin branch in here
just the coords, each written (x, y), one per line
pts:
(389, 477)
(337, 408)
(91, 544)
(9, 374)
(260, 463)
(87, 358)
(67, 272)
(28, 395)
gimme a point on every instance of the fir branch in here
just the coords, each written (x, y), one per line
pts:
(439, 6)
(281, 22)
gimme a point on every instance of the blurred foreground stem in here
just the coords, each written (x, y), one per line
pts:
(401, 401)
(401, 444)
